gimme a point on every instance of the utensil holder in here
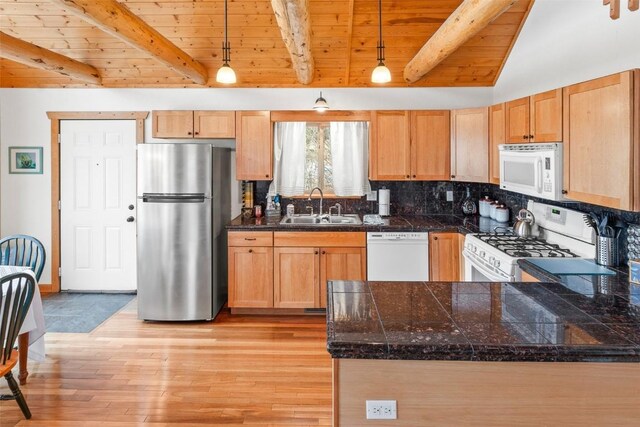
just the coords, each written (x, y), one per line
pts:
(607, 251)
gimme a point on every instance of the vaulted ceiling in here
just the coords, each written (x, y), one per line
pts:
(344, 35)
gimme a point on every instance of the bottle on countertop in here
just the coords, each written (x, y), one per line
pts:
(468, 205)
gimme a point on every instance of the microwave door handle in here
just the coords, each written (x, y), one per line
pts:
(539, 176)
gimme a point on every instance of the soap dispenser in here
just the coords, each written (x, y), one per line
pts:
(468, 205)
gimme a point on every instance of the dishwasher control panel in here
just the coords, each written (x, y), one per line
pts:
(397, 236)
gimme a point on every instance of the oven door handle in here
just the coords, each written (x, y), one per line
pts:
(490, 274)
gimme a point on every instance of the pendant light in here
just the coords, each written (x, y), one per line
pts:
(381, 73)
(226, 75)
(321, 104)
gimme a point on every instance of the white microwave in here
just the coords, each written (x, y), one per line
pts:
(532, 169)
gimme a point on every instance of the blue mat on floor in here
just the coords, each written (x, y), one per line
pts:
(79, 312)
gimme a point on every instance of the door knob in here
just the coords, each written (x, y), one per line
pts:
(130, 219)
(131, 207)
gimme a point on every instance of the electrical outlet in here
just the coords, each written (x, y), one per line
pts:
(372, 196)
(449, 196)
(382, 410)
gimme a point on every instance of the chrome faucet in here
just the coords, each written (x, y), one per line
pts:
(321, 198)
(336, 206)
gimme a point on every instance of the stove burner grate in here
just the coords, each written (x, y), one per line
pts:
(525, 247)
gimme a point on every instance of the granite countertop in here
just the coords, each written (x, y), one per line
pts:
(453, 223)
(480, 322)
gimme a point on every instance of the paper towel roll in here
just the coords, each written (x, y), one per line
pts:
(384, 195)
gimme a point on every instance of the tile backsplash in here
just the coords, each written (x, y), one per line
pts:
(430, 197)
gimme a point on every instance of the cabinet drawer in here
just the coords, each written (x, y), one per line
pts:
(250, 238)
(319, 238)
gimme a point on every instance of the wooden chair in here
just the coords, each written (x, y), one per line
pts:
(16, 293)
(23, 251)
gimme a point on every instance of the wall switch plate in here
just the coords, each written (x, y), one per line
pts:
(382, 410)
(449, 196)
(372, 196)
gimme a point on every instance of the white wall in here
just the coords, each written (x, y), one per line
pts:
(25, 202)
(569, 41)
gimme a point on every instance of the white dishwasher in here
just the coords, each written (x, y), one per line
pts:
(396, 257)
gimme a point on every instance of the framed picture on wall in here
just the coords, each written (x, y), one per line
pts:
(25, 160)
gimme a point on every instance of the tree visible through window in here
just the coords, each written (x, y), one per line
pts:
(318, 165)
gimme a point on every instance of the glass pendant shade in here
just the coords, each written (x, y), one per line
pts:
(226, 75)
(381, 74)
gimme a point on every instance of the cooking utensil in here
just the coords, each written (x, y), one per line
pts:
(590, 222)
(524, 224)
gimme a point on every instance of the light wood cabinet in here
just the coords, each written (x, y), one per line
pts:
(409, 145)
(390, 154)
(602, 141)
(536, 118)
(254, 145)
(341, 264)
(296, 277)
(214, 124)
(470, 145)
(444, 257)
(193, 124)
(496, 137)
(430, 145)
(250, 277)
(172, 124)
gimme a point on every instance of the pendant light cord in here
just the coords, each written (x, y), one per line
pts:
(380, 42)
(226, 48)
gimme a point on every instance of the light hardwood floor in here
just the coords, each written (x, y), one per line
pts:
(239, 370)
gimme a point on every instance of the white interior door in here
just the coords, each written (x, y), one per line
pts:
(98, 195)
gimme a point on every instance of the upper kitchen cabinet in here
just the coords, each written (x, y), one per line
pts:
(536, 118)
(193, 124)
(214, 124)
(172, 124)
(254, 146)
(470, 145)
(602, 141)
(409, 145)
(496, 137)
(390, 154)
(430, 147)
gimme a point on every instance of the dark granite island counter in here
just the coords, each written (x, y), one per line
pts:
(478, 354)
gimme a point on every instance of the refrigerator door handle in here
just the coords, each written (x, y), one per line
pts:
(173, 198)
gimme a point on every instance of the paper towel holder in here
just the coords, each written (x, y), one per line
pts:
(384, 198)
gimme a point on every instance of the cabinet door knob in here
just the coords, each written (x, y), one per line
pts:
(414, 176)
(453, 176)
(408, 176)
(130, 219)
(316, 252)
(435, 238)
(188, 133)
(323, 252)
(564, 192)
(525, 136)
(266, 176)
(530, 136)
(197, 133)
(250, 250)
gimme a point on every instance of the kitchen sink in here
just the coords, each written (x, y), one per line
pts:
(318, 221)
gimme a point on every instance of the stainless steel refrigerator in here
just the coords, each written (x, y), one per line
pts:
(183, 199)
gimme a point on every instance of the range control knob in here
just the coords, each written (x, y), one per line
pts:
(496, 263)
(492, 260)
(482, 254)
(475, 249)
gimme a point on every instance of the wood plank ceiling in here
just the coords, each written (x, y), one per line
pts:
(344, 38)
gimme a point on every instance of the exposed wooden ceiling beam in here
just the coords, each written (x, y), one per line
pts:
(295, 27)
(38, 57)
(349, 42)
(464, 23)
(634, 5)
(114, 18)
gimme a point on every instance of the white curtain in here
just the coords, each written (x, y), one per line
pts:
(350, 158)
(289, 144)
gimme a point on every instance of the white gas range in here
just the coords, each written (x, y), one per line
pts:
(559, 233)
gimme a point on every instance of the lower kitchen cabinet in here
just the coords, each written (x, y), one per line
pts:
(445, 256)
(341, 264)
(250, 277)
(296, 274)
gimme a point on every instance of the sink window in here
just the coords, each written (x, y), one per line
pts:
(329, 155)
